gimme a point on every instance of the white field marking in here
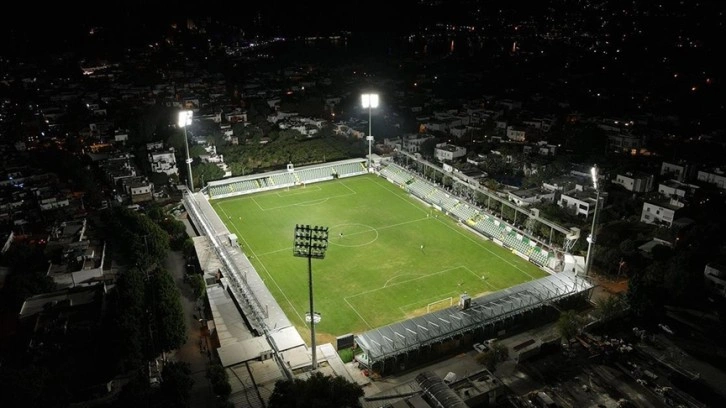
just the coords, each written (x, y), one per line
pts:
(359, 315)
(302, 203)
(405, 199)
(348, 235)
(478, 243)
(486, 281)
(334, 241)
(342, 183)
(407, 308)
(314, 202)
(399, 275)
(421, 276)
(458, 232)
(239, 235)
(296, 191)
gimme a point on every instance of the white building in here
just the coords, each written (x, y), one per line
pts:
(413, 144)
(677, 171)
(715, 276)
(445, 151)
(579, 202)
(676, 189)
(662, 213)
(164, 162)
(516, 133)
(636, 182)
(121, 135)
(715, 177)
(524, 198)
(214, 158)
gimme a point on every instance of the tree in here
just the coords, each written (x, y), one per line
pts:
(317, 391)
(136, 393)
(143, 242)
(644, 297)
(606, 308)
(175, 385)
(569, 324)
(197, 283)
(206, 172)
(169, 329)
(128, 334)
(188, 248)
(427, 147)
(196, 151)
(217, 376)
(28, 275)
(496, 354)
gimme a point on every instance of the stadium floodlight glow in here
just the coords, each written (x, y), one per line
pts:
(591, 238)
(311, 242)
(370, 101)
(185, 119)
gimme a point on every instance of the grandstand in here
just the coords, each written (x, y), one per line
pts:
(289, 177)
(397, 340)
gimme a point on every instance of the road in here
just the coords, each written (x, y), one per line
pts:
(201, 394)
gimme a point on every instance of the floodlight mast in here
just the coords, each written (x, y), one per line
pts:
(594, 172)
(185, 119)
(369, 101)
(311, 242)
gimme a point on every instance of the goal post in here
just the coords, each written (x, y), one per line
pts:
(440, 304)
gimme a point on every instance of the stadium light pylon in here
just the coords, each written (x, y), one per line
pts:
(310, 242)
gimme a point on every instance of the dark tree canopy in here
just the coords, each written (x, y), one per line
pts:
(318, 391)
(169, 329)
(175, 385)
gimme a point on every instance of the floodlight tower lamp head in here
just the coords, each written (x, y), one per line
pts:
(185, 118)
(369, 100)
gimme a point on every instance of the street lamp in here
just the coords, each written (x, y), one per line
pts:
(369, 101)
(311, 242)
(185, 119)
(591, 238)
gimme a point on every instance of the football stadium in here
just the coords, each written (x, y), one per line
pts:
(405, 265)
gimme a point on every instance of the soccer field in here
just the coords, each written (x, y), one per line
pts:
(390, 257)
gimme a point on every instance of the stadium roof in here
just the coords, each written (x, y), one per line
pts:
(254, 176)
(402, 337)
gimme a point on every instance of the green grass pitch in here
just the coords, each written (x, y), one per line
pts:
(389, 255)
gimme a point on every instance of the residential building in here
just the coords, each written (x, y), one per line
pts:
(636, 182)
(626, 142)
(579, 202)
(677, 171)
(715, 177)
(715, 277)
(445, 151)
(676, 189)
(659, 212)
(516, 133)
(139, 188)
(164, 162)
(526, 197)
(412, 144)
(561, 184)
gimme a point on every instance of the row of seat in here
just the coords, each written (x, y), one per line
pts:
(285, 179)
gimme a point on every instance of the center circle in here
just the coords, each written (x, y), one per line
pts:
(352, 235)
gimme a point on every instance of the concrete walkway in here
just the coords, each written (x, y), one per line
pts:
(191, 352)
